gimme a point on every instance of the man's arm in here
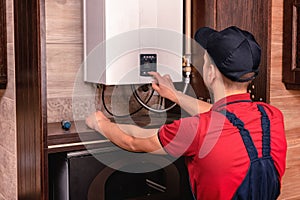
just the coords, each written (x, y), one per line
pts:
(129, 137)
(190, 104)
(165, 88)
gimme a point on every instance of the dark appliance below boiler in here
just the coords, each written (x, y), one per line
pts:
(81, 176)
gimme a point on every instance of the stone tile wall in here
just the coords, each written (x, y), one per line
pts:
(8, 153)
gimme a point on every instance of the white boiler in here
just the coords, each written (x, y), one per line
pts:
(125, 39)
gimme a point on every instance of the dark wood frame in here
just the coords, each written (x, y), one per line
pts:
(3, 45)
(31, 120)
(291, 51)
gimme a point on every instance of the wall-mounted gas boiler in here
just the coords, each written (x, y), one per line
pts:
(125, 39)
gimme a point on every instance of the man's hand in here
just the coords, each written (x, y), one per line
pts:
(164, 86)
(96, 120)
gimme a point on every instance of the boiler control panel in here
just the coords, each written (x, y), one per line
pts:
(148, 63)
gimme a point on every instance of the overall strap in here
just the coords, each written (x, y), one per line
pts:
(265, 125)
(248, 142)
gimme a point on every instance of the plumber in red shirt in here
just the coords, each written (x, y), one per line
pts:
(225, 144)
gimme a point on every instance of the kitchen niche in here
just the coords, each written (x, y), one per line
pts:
(46, 68)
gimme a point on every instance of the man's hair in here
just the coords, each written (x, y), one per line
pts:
(234, 85)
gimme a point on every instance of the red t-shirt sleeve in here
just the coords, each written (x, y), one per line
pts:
(278, 141)
(180, 137)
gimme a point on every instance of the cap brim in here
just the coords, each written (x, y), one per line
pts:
(202, 35)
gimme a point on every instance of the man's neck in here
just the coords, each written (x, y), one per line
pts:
(221, 94)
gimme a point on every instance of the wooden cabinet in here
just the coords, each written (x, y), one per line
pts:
(291, 45)
(3, 45)
(31, 86)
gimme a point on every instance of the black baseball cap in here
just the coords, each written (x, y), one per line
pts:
(234, 51)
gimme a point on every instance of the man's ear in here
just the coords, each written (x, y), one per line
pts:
(211, 73)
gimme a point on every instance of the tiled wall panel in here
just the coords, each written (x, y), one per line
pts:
(8, 156)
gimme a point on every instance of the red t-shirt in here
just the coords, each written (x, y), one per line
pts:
(216, 157)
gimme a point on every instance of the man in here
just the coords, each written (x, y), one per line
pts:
(235, 148)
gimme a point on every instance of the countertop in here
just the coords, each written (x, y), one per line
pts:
(79, 136)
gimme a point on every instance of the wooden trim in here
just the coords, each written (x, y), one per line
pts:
(30, 98)
(291, 37)
(44, 116)
(3, 45)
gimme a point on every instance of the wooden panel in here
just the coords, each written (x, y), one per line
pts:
(279, 97)
(63, 63)
(3, 46)
(64, 38)
(30, 98)
(64, 21)
(253, 16)
(202, 15)
(291, 178)
(291, 34)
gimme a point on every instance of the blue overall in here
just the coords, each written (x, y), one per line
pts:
(261, 181)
